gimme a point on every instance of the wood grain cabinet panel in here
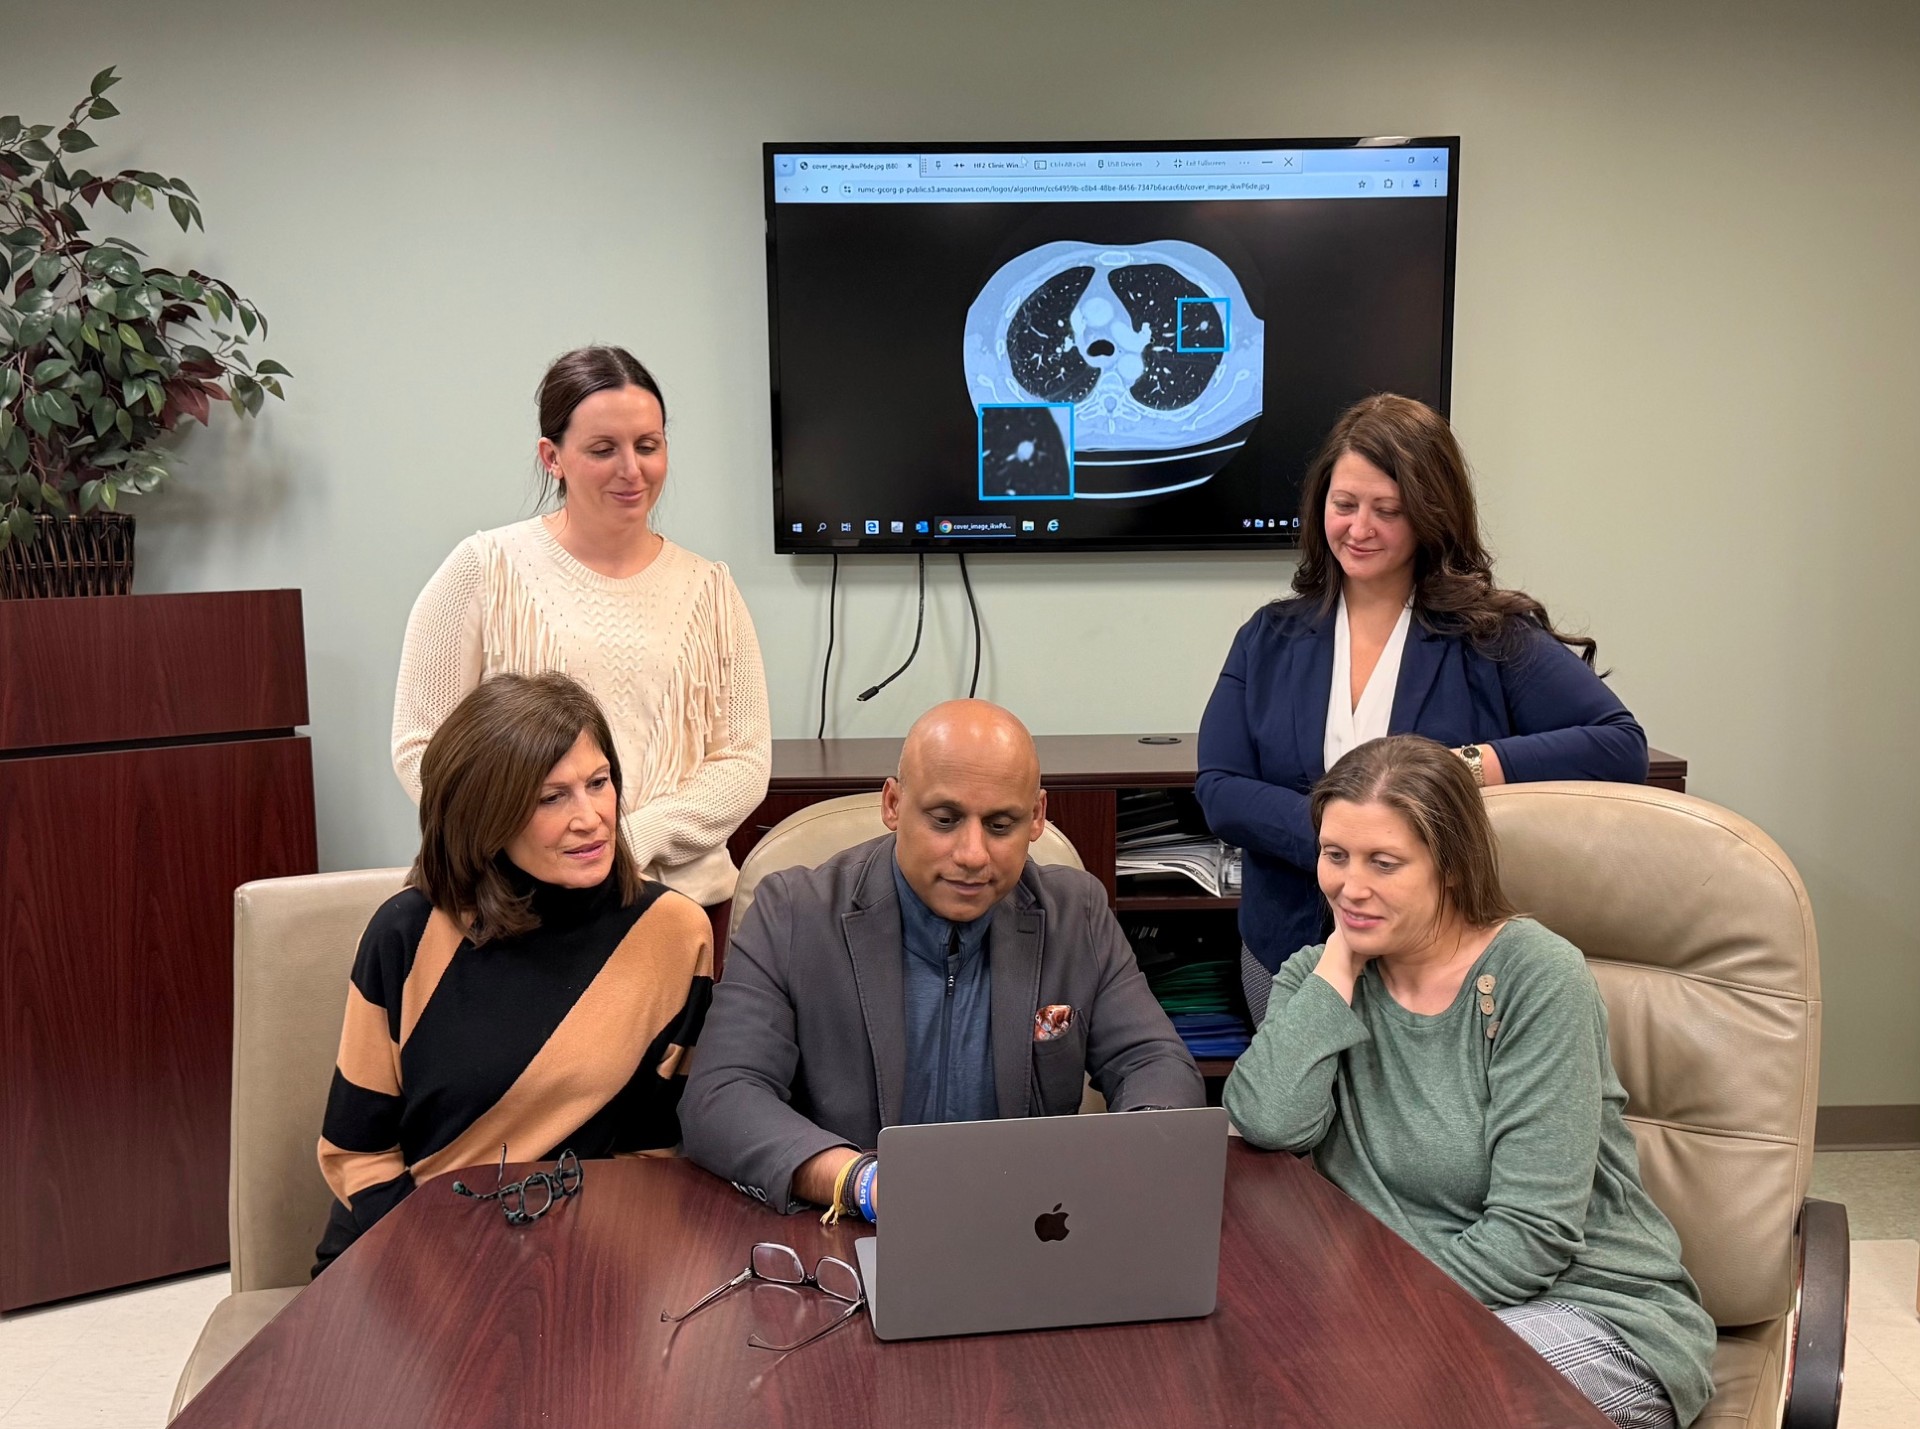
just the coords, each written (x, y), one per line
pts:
(117, 871)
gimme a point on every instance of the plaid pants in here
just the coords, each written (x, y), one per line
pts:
(1590, 1354)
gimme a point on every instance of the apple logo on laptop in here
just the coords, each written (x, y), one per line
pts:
(1052, 1225)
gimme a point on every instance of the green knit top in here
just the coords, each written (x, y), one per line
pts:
(1504, 1159)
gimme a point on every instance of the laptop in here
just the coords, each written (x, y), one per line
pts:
(1046, 1221)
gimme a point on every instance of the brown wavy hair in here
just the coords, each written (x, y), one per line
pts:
(573, 377)
(1453, 588)
(480, 781)
(1430, 787)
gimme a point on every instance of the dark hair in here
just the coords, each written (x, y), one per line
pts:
(1430, 787)
(1453, 589)
(480, 781)
(571, 379)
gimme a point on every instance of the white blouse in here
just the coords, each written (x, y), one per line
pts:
(1350, 724)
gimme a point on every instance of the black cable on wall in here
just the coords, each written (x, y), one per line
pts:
(826, 668)
(919, 624)
(973, 685)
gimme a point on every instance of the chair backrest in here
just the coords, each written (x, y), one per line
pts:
(809, 837)
(1700, 935)
(293, 946)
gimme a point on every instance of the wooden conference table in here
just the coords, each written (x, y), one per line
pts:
(445, 1315)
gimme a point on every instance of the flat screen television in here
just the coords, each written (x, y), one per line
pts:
(1115, 346)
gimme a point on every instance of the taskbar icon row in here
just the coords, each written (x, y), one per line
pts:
(965, 527)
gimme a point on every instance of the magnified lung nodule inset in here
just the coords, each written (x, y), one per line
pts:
(1024, 451)
(1153, 346)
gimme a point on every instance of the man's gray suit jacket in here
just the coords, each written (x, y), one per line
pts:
(805, 1046)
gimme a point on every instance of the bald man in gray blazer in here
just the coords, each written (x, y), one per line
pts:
(933, 974)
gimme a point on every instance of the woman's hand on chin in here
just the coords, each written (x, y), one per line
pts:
(1339, 965)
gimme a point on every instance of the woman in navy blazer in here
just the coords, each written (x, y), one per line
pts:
(1391, 550)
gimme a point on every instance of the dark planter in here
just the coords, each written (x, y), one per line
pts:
(70, 555)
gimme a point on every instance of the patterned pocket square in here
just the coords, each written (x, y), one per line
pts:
(1052, 1021)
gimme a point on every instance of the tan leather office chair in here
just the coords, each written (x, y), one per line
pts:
(811, 836)
(1701, 937)
(293, 946)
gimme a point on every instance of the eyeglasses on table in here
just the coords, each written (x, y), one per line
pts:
(526, 1200)
(781, 1265)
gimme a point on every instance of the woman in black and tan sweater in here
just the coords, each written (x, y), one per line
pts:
(527, 988)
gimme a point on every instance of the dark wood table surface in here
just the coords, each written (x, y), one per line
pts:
(445, 1315)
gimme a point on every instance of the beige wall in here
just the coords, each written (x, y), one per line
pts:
(1687, 351)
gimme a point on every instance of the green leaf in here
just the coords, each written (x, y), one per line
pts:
(272, 384)
(51, 495)
(34, 410)
(60, 407)
(17, 448)
(102, 109)
(36, 150)
(34, 330)
(66, 325)
(103, 412)
(248, 320)
(102, 82)
(110, 496)
(89, 495)
(123, 424)
(21, 520)
(9, 388)
(6, 428)
(76, 140)
(9, 128)
(131, 338)
(180, 185)
(122, 194)
(46, 270)
(156, 396)
(144, 194)
(182, 213)
(267, 367)
(53, 367)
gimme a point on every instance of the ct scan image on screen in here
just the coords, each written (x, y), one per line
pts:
(1089, 348)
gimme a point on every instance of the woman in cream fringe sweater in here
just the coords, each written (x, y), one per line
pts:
(659, 635)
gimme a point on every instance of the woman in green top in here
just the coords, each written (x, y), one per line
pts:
(1445, 1060)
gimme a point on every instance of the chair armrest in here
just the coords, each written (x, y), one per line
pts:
(1819, 1350)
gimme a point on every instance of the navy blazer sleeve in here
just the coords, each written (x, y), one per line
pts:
(1240, 806)
(1566, 723)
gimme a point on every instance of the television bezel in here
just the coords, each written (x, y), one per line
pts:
(887, 544)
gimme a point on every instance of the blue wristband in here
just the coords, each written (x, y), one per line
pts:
(863, 1190)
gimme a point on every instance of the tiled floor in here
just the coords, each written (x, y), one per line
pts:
(106, 1360)
(112, 1360)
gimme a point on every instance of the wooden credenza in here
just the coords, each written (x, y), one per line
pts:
(1084, 775)
(148, 765)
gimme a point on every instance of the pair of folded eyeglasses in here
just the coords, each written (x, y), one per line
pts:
(527, 1200)
(781, 1265)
